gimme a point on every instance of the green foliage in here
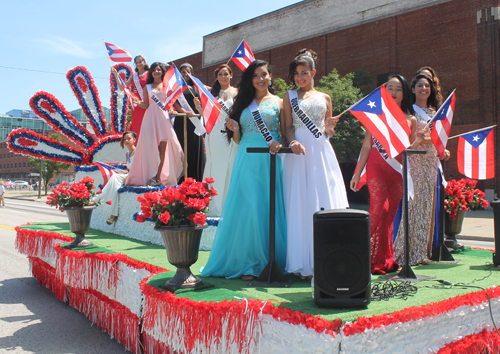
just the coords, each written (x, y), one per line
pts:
(49, 168)
(361, 80)
(348, 136)
(280, 87)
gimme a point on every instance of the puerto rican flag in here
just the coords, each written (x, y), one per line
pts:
(210, 105)
(384, 119)
(116, 53)
(476, 154)
(107, 171)
(442, 124)
(127, 91)
(243, 56)
(174, 85)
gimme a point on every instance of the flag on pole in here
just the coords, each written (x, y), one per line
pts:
(384, 119)
(476, 154)
(174, 85)
(243, 56)
(127, 91)
(107, 171)
(442, 124)
(210, 105)
(116, 53)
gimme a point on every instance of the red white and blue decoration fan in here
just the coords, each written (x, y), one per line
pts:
(94, 146)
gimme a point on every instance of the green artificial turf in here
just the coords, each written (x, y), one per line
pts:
(474, 266)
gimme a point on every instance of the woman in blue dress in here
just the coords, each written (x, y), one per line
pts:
(241, 244)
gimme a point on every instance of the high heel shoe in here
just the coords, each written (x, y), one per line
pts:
(154, 182)
(112, 220)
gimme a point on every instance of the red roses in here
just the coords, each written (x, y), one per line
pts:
(70, 195)
(186, 204)
(463, 195)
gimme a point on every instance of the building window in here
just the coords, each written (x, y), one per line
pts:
(15, 165)
(24, 164)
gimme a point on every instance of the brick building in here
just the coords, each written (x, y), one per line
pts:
(458, 38)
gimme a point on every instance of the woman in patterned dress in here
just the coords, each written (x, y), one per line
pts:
(241, 244)
(423, 171)
(385, 184)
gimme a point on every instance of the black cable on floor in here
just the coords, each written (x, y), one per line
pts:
(393, 289)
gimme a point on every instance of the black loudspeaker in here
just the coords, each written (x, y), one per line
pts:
(342, 271)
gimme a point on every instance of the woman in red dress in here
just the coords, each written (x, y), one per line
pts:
(137, 82)
(385, 184)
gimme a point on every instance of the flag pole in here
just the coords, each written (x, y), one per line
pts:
(231, 57)
(354, 105)
(473, 131)
(430, 121)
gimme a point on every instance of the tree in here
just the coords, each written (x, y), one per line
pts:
(49, 168)
(280, 87)
(349, 135)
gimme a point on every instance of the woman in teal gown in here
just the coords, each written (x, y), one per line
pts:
(241, 244)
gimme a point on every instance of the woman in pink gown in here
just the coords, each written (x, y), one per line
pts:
(158, 157)
(136, 82)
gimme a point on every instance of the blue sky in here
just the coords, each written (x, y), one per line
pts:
(54, 36)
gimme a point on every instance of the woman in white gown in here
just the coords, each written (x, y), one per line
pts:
(220, 152)
(110, 190)
(312, 176)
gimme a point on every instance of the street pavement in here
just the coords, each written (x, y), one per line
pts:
(32, 320)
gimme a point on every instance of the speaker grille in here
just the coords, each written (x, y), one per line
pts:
(342, 271)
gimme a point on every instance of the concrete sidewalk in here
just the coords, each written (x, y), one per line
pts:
(478, 224)
(27, 195)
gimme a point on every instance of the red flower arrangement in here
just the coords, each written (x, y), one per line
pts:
(176, 206)
(73, 195)
(463, 195)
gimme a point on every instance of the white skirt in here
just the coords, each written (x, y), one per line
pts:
(311, 182)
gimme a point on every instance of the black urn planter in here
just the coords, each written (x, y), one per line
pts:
(182, 244)
(79, 224)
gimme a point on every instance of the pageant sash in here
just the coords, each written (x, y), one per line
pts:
(304, 118)
(224, 109)
(199, 129)
(155, 98)
(137, 84)
(260, 124)
(394, 164)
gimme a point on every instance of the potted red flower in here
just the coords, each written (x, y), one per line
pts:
(460, 196)
(77, 200)
(179, 214)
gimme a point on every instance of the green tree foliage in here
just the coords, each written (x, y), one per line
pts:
(280, 87)
(349, 135)
(49, 168)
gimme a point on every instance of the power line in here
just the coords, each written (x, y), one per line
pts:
(46, 72)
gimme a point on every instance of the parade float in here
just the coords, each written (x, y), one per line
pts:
(119, 282)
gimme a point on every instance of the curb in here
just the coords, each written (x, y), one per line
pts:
(476, 238)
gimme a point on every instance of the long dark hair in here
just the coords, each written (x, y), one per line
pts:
(216, 86)
(432, 101)
(406, 103)
(163, 67)
(435, 80)
(246, 93)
